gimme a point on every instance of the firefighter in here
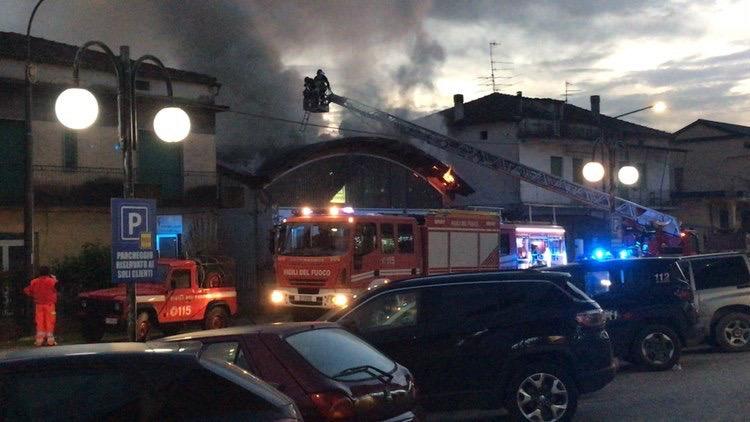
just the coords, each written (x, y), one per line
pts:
(321, 82)
(42, 290)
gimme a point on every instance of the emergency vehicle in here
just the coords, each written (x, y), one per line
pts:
(197, 290)
(324, 259)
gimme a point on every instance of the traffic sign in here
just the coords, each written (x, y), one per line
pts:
(133, 240)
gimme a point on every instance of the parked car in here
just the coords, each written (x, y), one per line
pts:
(528, 340)
(648, 303)
(132, 381)
(722, 287)
(331, 374)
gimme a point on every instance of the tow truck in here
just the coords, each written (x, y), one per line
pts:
(185, 291)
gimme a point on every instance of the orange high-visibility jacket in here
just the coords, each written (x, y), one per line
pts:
(42, 289)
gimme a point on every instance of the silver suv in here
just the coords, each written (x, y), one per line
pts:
(722, 296)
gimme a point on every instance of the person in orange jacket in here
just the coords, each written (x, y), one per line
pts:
(42, 290)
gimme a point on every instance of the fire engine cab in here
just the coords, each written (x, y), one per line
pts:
(323, 259)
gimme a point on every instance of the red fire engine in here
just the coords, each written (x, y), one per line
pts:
(324, 259)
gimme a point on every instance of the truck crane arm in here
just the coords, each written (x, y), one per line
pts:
(643, 216)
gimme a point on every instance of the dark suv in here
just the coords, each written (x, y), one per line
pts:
(524, 339)
(648, 304)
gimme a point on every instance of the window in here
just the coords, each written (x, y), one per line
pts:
(645, 274)
(679, 179)
(723, 217)
(556, 166)
(75, 394)
(578, 170)
(405, 238)
(598, 282)
(471, 302)
(719, 272)
(333, 350)
(397, 309)
(504, 244)
(365, 236)
(142, 85)
(230, 352)
(70, 151)
(181, 279)
(387, 239)
(483, 135)
(233, 197)
(314, 239)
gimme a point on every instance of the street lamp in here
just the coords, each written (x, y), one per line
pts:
(593, 171)
(77, 108)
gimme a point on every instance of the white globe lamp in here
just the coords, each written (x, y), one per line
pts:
(593, 171)
(628, 175)
(172, 124)
(76, 108)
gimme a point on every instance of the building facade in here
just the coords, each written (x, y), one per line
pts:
(711, 185)
(75, 173)
(558, 138)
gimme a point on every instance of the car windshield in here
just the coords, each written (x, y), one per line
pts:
(314, 239)
(333, 351)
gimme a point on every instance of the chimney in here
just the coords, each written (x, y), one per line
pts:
(519, 110)
(595, 106)
(458, 107)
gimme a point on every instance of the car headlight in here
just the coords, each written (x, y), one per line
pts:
(341, 300)
(277, 297)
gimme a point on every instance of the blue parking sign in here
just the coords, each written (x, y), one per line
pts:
(133, 240)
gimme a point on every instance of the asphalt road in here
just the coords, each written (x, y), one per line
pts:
(710, 386)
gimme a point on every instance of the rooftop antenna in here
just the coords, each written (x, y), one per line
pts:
(492, 80)
(569, 90)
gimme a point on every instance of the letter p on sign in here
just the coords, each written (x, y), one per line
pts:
(133, 222)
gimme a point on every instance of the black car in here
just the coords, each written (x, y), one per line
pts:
(524, 339)
(330, 373)
(133, 382)
(648, 304)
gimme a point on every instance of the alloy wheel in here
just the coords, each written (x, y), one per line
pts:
(737, 333)
(542, 397)
(657, 348)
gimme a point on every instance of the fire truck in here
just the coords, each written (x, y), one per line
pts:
(185, 291)
(323, 259)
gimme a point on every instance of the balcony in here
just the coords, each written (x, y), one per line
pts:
(94, 186)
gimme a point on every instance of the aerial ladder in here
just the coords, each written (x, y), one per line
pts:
(642, 216)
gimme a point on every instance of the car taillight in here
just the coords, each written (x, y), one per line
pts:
(592, 318)
(333, 406)
(685, 294)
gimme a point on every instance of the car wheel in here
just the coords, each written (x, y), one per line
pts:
(217, 317)
(92, 329)
(542, 392)
(142, 326)
(733, 332)
(657, 348)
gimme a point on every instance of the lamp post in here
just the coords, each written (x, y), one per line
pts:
(28, 204)
(77, 108)
(628, 175)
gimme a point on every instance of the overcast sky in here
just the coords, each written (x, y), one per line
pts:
(695, 55)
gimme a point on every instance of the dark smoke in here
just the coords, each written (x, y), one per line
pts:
(245, 44)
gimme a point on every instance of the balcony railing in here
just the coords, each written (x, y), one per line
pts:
(94, 186)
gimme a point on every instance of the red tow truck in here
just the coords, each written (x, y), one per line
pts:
(188, 291)
(324, 259)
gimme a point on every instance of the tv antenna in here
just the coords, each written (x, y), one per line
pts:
(495, 71)
(569, 90)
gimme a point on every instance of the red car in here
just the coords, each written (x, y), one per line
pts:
(332, 375)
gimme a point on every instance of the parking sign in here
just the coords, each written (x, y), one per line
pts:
(133, 240)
